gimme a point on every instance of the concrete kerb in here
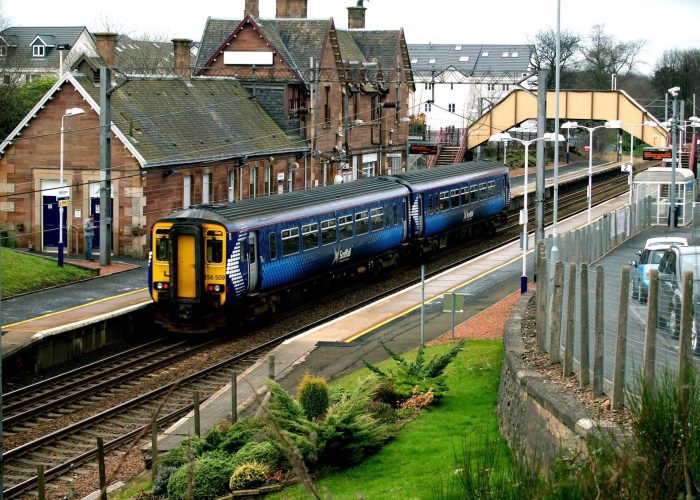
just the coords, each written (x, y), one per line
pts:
(535, 416)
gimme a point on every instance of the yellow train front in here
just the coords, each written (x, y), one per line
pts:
(187, 274)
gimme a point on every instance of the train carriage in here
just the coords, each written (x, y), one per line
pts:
(253, 255)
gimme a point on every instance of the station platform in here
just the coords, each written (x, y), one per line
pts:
(329, 350)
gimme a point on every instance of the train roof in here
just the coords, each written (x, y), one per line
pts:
(460, 172)
(275, 208)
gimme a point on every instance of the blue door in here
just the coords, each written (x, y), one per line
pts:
(95, 210)
(50, 221)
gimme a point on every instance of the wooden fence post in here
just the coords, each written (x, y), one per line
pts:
(649, 359)
(568, 367)
(154, 445)
(101, 469)
(685, 357)
(542, 283)
(195, 397)
(555, 320)
(599, 338)
(234, 396)
(585, 375)
(41, 482)
(271, 368)
(618, 392)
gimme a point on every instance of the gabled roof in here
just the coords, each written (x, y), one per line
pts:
(168, 122)
(295, 40)
(471, 59)
(23, 37)
(380, 46)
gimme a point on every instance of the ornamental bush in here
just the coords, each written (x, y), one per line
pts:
(313, 396)
(186, 451)
(240, 433)
(264, 452)
(249, 475)
(160, 481)
(210, 480)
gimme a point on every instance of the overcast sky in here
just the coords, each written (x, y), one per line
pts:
(664, 24)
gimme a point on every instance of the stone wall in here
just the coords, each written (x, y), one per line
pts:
(536, 417)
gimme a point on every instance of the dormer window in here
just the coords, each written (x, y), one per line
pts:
(38, 51)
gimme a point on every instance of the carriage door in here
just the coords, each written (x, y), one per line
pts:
(252, 261)
(418, 217)
(187, 254)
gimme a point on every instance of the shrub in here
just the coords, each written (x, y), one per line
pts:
(385, 392)
(160, 481)
(186, 451)
(249, 475)
(240, 433)
(313, 396)
(264, 452)
(215, 437)
(211, 476)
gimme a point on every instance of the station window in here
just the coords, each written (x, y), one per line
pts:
(309, 236)
(163, 246)
(362, 222)
(376, 218)
(214, 247)
(345, 227)
(273, 246)
(328, 235)
(290, 241)
(454, 196)
(444, 201)
(464, 194)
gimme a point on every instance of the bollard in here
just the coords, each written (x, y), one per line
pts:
(649, 359)
(234, 396)
(599, 339)
(568, 366)
(271, 368)
(685, 356)
(195, 397)
(542, 285)
(101, 468)
(585, 375)
(555, 319)
(154, 445)
(617, 398)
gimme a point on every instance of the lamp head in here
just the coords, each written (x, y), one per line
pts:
(613, 124)
(500, 137)
(74, 111)
(551, 136)
(674, 91)
(569, 125)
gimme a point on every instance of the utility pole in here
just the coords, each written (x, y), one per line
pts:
(105, 166)
(539, 170)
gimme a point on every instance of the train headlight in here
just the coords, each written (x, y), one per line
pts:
(215, 288)
(161, 285)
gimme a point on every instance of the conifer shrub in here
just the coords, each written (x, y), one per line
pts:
(313, 396)
(187, 450)
(160, 480)
(210, 480)
(243, 431)
(264, 452)
(249, 475)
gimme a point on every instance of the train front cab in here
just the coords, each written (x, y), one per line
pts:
(188, 275)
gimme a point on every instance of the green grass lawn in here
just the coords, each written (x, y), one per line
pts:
(22, 272)
(420, 462)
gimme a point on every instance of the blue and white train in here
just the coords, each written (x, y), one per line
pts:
(210, 261)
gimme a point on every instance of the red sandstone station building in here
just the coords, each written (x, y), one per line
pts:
(268, 106)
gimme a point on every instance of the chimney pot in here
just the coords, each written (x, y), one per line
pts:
(356, 16)
(251, 8)
(181, 48)
(291, 9)
(107, 47)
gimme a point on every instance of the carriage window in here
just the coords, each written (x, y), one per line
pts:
(163, 247)
(464, 195)
(328, 235)
(362, 222)
(376, 218)
(290, 241)
(309, 236)
(396, 214)
(473, 194)
(430, 203)
(389, 217)
(492, 189)
(482, 192)
(345, 227)
(273, 246)
(454, 197)
(444, 201)
(215, 247)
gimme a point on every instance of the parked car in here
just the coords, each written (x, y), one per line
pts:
(649, 259)
(674, 262)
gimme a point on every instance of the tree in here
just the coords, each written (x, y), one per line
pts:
(604, 55)
(544, 56)
(678, 68)
(16, 101)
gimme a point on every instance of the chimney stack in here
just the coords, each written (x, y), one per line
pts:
(356, 16)
(182, 57)
(107, 47)
(251, 8)
(294, 9)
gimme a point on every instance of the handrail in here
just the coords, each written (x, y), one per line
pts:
(693, 151)
(433, 159)
(462, 146)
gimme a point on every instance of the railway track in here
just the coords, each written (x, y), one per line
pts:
(70, 447)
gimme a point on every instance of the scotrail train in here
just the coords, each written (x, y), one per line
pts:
(212, 263)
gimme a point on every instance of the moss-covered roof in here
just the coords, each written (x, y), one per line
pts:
(174, 121)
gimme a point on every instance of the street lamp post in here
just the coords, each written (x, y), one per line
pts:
(62, 192)
(610, 124)
(674, 157)
(505, 138)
